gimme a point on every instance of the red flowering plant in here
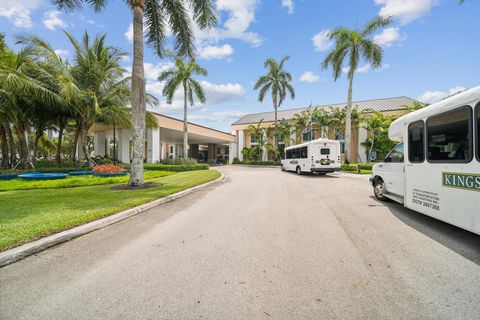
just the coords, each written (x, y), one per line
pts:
(108, 168)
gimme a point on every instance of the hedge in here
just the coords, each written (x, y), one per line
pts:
(259, 163)
(176, 168)
(353, 167)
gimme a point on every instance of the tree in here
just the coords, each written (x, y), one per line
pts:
(278, 81)
(159, 17)
(261, 137)
(375, 124)
(285, 131)
(415, 106)
(183, 75)
(352, 45)
(300, 121)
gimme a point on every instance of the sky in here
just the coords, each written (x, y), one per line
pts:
(431, 49)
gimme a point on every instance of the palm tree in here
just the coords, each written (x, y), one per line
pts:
(183, 75)
(351, 46)
(159, 16)
(261, 137)
(374, 125)
(278, 81)
(300, 122)
(285, 130)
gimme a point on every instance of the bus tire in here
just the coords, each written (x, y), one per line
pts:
(298, 170)
(379, 189)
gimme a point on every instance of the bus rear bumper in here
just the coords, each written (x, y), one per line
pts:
(324, 170)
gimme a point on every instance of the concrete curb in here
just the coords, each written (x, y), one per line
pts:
(255, 166)
(23, 251)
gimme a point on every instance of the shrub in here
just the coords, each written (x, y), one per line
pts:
(236, 161)
(176, 168)
(103, 160)
(179, 161)
(259, 163)
(349, 167)
(108, 168)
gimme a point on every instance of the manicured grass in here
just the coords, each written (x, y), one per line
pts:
(73, 181)
(26, 215)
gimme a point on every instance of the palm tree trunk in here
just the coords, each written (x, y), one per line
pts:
(348, 121)
(84, 144)
(371, 147)
(58, 156)
(11, 143)
(21, 131)
(76, 136)
(275, 143)
(38, 135)
(138, 97)
(3, 140)
(185, 124)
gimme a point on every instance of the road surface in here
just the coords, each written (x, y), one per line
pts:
(263, 245)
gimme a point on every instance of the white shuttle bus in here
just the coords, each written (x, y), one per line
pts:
(318, 156)
(435, 169)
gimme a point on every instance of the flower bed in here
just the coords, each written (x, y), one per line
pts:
(109, 170)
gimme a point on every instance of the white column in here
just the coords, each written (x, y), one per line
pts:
(241, 143)
(264, 149)
(153, 145)
(99, 143)
(232, 152)
(362, 136)
(163, 152)
(124, 136)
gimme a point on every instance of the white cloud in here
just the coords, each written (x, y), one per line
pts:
(405, 10)
(19, 12)
(309, 76)
(435, 96)
(388, 37)
(153, 71)
(62, 53)
(289, 5)
(366, 68)
(52, 20)
(241, 14)
(129, 33)
(220, 116)
(215, 52)
(321, 41)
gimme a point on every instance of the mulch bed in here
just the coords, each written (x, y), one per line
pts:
(146, 185)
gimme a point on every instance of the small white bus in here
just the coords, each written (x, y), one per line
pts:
(318, 156)
(435, 169)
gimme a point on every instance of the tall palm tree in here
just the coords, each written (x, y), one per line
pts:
(278, 81)
(351, 46)
(159, 16)
(183, 75)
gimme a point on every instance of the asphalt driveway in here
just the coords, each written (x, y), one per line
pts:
(263, 245)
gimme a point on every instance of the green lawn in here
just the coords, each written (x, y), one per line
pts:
(26, 215)
(73, 181)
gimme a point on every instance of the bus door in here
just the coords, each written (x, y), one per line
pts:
(394, 171)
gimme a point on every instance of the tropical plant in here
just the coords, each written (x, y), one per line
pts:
(351, 46)
(261, 136)
(161, 18)
(321, 116)
(278, 81)
(285, 131)
(415, 105)
(377, 125)
(182, 75)
(300, 122)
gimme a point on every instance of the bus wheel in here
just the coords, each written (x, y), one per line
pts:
(379, 190)
(299, 171)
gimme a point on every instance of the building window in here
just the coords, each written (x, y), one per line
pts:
(253, 140)
(416, 144)
(303, 152)
(339, 134)
(449, 136)
(396, 155)
(308, 135)
(478, 130)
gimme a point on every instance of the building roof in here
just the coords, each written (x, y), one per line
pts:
(379, 105)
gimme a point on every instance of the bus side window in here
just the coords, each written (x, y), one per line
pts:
(297, 153)
(396, 155)
(416, 145)
(478, 130)
(304, 153)
(449, 136)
